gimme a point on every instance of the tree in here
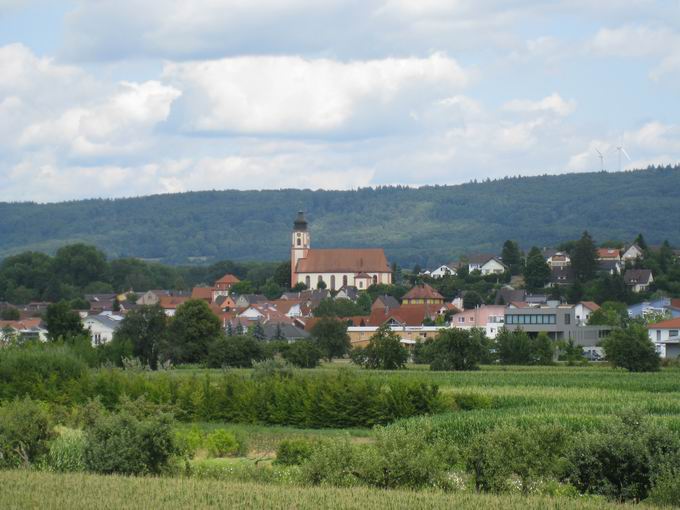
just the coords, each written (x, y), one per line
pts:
(303, 354)
(258, 332)
(542, 350)
(640, 241)
(193, 328)
(338, 308)
(271, 289)
(242, 287)
(631, 348)
(536, 270)
(456, 349)
(512, 257)
(146, 329)
(384, 351)
(62, 322)
(331, 336)
(282, 275)
(235, 351)
(584, 258)
(79, 264)
(10, 314)
(611, 313)
(320, 284)
(514, 347)
(472, 299)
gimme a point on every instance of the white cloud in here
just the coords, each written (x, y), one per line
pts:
(550, 104)
(295, 95)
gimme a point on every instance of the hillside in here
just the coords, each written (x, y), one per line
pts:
(428, 225)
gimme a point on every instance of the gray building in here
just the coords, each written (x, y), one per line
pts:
(558, 321)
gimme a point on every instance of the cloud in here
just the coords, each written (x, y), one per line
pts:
(289, 95)
(551, 104)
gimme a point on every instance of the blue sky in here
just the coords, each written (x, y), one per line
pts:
(104, 98)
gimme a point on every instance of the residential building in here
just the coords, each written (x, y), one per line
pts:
(152, 297)
(666, 337)
(444, 270)
(584, 310)
(203, 293)
(101, 327)
(169, 304)
(246, 300)
(489, 318)
(632, 253)
(608, 254)
(558, 259)
(409, 335)
(222, 287)
(486, 264)
(610, 267)
(334, 268)
(23, 330)
(558, 321)
(658, 306)
(351, 293)
(422, 294)
(562, 275)
(639, 280)
(385, 303)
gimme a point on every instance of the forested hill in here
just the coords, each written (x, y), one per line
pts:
(428, 225)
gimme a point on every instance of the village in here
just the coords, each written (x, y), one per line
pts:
(343, 275)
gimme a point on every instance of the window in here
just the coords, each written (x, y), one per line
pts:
(308, 281)
(375, 279)
(658, 335)
(673, 333)
(567, 318)
(299, 241)
(344, 281)
(332, 282)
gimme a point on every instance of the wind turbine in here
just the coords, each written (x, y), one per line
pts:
(601, 156)
(620, 149)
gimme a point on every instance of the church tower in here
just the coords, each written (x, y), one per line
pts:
(299, 245)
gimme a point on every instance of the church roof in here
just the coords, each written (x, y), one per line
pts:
(345, 260)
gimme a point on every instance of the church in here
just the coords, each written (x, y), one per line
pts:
(336, 268)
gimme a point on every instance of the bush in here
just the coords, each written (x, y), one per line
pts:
(272, 368)
(456, 349)
(509, 453)
(303, 354)
(25, 430)
(221, 443)
(235, 351)
(67, 451)
(122, 443)
(472, 401)
(666, 490)
(631, 348)
(189, 440)
(293, 452)
(384, 351)
(332, 462)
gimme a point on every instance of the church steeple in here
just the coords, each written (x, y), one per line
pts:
(300, 243)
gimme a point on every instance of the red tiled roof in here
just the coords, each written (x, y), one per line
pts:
(590, 305)
(228, 278)
(344, 261)
(608, 253)
(21, 324)
(423, 291)
(409, 315)
(202, 293)
(669, 324)
(675, 303)
(171, 302)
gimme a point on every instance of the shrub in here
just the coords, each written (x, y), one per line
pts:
(123, 443)
(456, 349)
(25, 430)
(189, 440)
(506, 453)
(292, 452)
(272, 368)
(67, 451)
(666, 490)
(332, 462)
(384, 351)
(235, 351)
(631, 348)
(303, 354)
(472, 401)
(221, 443)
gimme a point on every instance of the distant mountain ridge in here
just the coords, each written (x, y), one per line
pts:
(428, 225)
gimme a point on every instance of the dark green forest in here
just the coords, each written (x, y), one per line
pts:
(426, 226)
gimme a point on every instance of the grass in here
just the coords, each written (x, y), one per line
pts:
(27, 490)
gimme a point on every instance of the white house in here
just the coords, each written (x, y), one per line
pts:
(633, 252)
(666, 337)
(101, 327)
(444, 270)
(486, 264)
(584, 310)
(638, 280)
(559, 259)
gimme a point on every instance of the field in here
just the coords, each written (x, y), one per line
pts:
(27, 490)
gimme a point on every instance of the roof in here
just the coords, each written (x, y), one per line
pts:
(609, 265)
(23, 324)
(104, 320)
(633, 276)
(562, 274)
(508, 295)
(253, 298)
(170, 302)
(608, 253)
(423, 291)
(287, 331)
(300, 224)
(386, 301)
(590, 305)
(202, 293)
(227, 279)
(408, 315)
(669, 324)
(344, 260)
(481, 258)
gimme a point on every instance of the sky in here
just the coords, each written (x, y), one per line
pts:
(116, 98)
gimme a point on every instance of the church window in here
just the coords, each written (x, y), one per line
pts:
(375, 280)
(332, 282)
(344, 281)
(299, 241)
(307, 281)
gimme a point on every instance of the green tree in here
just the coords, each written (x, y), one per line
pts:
(62, 322)
(514, 347)
(611, 313)
(337, 308)
(584, 258)
(384, 351)
(456, 349)
(282, 275)
(193, 328)
(243, 287)
(145, 328)
(271, 289)
(235, 351)
(10, 314)
(79, 264)
(331, 336)
(472, 299)
(542, 350)
(536, 270)
(640, 241)
(512, 256)
(303, 354)
(631, 348)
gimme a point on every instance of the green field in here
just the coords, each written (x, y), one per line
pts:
(27, 490)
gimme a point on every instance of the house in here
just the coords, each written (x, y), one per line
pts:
(222, 287)
(169, 304)
(444, 270)
(335, 268)
(632, 253)
(584, 310)
(23, 330)
(608, 254)
(351, 293)
(610, 267)
(558, 259)
(422, 294)
(486, 264)
(152, 297)
(409, 336)
(638, 280)
(204, 293)
(557, 321)
(666, 337)
(405, 315)
(508, 294)
(284, 331)
(385, 303)
(658, 306)
(101, 327)
(246, 300)
(562, 275)
(102, 302)
(489, 318)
